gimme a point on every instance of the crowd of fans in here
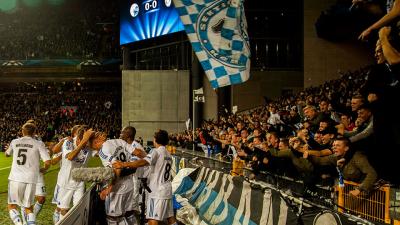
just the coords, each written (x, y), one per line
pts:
(302, 135)
(57, 107)
(75, 29)
(346, 127)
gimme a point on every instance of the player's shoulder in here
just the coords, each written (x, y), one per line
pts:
(165, 153)
(136, 144)
(13, 141)
(68, 144)
(18, 139)
(162, 149)
(122, 143)
(39, 143)
(108, 145)
(24, 139)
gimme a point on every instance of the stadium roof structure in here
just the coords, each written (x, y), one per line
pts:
(60, 62)
(12, 63)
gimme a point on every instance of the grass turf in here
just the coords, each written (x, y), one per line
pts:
(45, 216)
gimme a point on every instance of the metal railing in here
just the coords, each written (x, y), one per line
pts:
(373, 206)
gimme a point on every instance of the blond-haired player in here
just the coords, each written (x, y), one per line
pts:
(25, 169)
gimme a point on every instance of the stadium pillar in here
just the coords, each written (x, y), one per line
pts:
(196, 75)
(224, 100)
(126, 58)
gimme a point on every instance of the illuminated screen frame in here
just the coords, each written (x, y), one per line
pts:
(145, 19)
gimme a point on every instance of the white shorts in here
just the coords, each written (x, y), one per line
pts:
(40, 190)
(63, 196)
(119, 204)
(159, 209)
(40, 187)
(22, 194)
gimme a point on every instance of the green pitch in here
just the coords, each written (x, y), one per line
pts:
(45, 216)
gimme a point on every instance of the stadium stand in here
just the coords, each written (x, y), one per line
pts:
(59, 106)
(28, 33)
(333, 102)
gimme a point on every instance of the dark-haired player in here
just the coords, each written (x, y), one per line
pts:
(159, 201)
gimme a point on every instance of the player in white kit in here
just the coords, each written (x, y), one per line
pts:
(159, 201)
(40, 193)
(128, 134)
(75, 154)
(119, 196)
(24, 173)
(57, 149)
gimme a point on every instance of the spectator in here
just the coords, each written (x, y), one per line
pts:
(353, 164)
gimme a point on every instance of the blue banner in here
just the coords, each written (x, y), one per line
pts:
(217, 30)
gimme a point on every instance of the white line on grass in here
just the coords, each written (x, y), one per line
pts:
(4, 168)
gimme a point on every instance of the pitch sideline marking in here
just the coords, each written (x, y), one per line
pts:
(4, 168)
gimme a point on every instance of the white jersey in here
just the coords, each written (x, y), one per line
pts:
(27, 153)
(160, 162)
(137, 145)
(141, 172)
(117, 150)
(65, 174)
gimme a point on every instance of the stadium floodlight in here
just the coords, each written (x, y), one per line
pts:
(32, 3)
(8, 5)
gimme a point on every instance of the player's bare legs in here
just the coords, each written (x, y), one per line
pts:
(171, 221)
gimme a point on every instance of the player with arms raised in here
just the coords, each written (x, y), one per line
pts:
(75, 154)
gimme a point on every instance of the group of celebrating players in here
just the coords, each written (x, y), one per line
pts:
(27, 188)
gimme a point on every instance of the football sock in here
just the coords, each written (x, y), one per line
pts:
(23, 215)
(37, 207)
(56, 216)
(15, 217)
(31, 219)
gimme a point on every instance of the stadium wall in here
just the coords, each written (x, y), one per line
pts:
(250, 94)
(210, 109)
(324, 59)
(155, 99)
(270, 84)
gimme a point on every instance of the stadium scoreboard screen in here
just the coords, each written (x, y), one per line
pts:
(144, 19)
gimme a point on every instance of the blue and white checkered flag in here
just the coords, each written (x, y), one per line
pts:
(217, 30)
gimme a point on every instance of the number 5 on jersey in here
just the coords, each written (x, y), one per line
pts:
(22, 156)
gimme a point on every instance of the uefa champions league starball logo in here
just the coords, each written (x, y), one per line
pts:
(134, 10)
(168, 3)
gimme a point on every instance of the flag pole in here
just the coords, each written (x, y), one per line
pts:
(193, 121)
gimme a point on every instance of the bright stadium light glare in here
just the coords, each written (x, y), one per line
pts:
(7, 5)
(55, 2)
(32, 3)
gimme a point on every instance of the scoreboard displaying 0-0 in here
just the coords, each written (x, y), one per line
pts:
(144, 19)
